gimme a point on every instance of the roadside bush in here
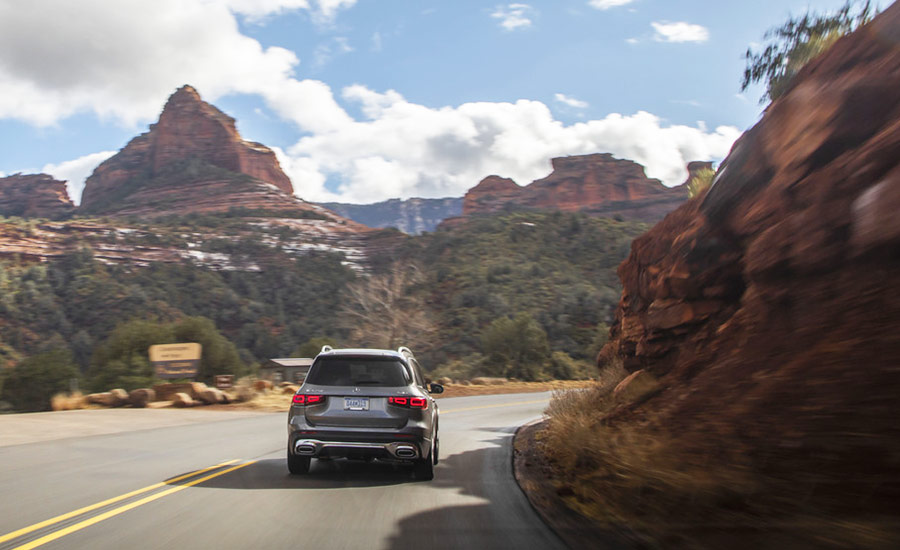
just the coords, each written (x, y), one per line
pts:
(33, 382)
(516, 348)
(562, 367)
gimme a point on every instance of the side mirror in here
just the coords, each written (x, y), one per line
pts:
(435, 388)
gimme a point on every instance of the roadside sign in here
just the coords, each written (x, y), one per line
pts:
(224, 381)
(175, 360)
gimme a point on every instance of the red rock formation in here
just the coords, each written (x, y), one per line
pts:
(769, 308)
(597, 184)
(190, 137)
(34, 196)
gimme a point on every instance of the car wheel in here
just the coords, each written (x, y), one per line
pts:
(297, 464)
(424, 469)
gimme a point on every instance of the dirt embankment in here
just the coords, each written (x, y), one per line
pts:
(763, 318)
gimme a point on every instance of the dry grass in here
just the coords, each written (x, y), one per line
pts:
(678, 490)
(68, 402)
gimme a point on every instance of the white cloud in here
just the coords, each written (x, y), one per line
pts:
(325, 52)
(322, 11)
(377, 42)
(571, 101)
(403, 149)
(679, 32)
(76, 171)
(138, 54)
(632, 41)
(514, 16)
(606, 4)
(141, 52)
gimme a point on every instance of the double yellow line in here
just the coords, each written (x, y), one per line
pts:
(115, 511)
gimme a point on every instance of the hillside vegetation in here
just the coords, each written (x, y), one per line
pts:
(551, 273)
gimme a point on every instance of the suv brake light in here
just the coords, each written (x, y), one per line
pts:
(410, 402)
(303, 399)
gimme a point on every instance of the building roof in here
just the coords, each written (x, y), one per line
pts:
(288, 362)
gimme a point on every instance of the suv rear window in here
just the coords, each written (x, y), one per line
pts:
(358, 371)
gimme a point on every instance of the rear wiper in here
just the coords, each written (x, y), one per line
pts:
(366, 382)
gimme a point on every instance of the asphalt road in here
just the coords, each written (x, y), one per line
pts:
(84, 487)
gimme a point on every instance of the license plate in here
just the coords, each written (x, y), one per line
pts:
(356, 403)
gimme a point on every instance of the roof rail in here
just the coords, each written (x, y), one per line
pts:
(404, 349)
(325, 348)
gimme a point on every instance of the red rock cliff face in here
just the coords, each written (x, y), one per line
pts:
(34, 196)
(598, 184)
(189, 129)
(770, 307)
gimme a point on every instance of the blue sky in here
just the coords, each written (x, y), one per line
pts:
(366, 100)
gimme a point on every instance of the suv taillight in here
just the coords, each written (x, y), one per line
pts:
(303, 399)
(411, 402)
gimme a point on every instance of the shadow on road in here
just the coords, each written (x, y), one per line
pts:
(271, 473)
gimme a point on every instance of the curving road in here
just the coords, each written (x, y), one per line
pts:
(202, 479)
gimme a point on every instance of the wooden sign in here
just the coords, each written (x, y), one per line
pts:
(224, 381)
(175, 360)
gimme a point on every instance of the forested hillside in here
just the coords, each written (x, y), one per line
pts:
(553, 274)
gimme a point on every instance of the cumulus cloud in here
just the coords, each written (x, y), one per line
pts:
(403, 149)
(74, 172)
(139, 53)
(322, 11)
(571, 101)
(606, 4)
(514, 16)
(679, 32)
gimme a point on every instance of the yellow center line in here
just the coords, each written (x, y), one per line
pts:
(116, 511)
(495, 406)
(78, 512)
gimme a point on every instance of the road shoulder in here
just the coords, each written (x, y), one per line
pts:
(532, 473)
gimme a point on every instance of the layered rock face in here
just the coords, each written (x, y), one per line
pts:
(597, 184)
(769, 308)
(34, 196)
(192, 160)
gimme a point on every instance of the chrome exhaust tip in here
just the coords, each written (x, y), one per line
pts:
(405, 452)
(305, 448)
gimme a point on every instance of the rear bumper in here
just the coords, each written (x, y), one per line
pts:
(411, 442)
(397, 450)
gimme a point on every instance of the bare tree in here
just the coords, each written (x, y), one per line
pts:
(383, 311)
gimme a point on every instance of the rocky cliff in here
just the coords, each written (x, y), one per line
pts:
(192, 160)
(411, 216)
(34, 196)
(597, 184)
(768, 308)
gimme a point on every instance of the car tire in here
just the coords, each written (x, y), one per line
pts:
(435, 453)
(298, 464)
(424, 470)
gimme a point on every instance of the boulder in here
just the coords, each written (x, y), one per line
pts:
(635, 386)
(141, 397)
(182, 400)
(211, 396)
(119, 397)
(104, 399)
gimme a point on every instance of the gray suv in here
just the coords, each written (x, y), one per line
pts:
(364, 404)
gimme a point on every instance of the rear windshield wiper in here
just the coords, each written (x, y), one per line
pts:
(366, 382)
